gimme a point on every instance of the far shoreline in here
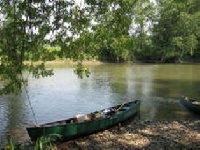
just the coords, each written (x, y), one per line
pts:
(72, 63)
(65, 62)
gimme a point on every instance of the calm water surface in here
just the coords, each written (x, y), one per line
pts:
(64, 95)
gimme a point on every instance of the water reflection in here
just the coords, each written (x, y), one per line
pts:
(13, 112)
(64, 95)
(140, 80)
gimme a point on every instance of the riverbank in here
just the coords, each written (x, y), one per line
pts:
(150, 135)
(66, 62)
(177, 134)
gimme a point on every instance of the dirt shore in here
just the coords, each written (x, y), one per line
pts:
(142, 135)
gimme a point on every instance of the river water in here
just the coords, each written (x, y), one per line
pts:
(64, 95)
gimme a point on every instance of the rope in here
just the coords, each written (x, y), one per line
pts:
(34, 116)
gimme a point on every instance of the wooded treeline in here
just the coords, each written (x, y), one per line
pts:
(145, 31)
(107, 30)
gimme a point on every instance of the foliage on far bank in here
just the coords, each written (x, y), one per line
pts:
(165, 32)
(176, 34)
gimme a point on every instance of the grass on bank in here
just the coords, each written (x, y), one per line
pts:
(42, 143)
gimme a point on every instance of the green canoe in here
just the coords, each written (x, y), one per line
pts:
(191, 104)
(86, 124)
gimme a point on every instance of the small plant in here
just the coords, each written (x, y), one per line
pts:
(10, 145)
(46, 142)
(42, 143)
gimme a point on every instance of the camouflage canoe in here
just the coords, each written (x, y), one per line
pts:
(191, 104)
(86, 124)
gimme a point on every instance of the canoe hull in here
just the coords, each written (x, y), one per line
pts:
(189, 104)
(72, 130)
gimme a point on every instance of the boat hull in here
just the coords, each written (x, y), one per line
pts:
(72, 130)
(190, 104)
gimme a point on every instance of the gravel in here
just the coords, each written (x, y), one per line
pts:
(176, 134)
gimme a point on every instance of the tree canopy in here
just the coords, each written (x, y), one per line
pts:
(111, 30)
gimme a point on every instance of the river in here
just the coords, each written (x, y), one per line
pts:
(64, 95)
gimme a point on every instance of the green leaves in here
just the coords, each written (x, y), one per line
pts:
(81, 70)
(10, 144)
(121, 47)
(39, 70)
(177, 30)
(23, 35)
(186, 44)
(46, 142)
(111, 30)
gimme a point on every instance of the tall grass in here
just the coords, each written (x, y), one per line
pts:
(42, 143)
(46, 142)
(10, 145)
